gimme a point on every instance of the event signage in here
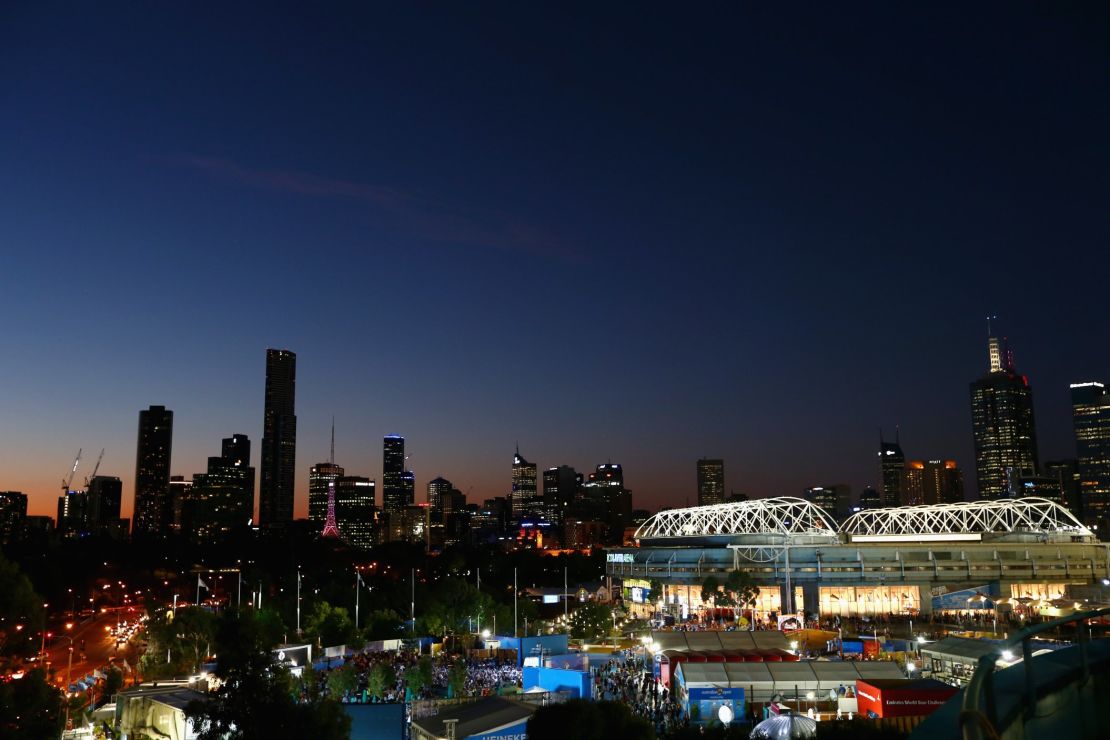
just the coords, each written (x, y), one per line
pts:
(618, 557)
(515, 731)
(704, 702)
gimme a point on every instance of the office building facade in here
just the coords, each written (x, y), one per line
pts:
(354, 510)
(279, 439)
(892, 466)
(394, 494)
(524, 499)
(932, 482)
(711, 481)
(153, 513)
(1091, 423)
(13, 514)
(105, 496)
(220, 500)
(1003, 425)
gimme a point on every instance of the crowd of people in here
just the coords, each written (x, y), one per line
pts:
(483, 676)
(630, 682)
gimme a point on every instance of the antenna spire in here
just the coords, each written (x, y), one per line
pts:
(333, 439)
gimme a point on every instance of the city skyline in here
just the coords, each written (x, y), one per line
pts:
(759, 245)
(303, 488)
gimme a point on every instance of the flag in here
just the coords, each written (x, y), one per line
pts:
(201, 583)
(125, 666)
(360, 581)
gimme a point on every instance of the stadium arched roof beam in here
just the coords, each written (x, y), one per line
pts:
(998, 516)
(784, 515)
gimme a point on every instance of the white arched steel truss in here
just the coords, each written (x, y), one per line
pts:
(999, 516)
(781, 516)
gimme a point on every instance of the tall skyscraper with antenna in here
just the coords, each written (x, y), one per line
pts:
(1002, 423)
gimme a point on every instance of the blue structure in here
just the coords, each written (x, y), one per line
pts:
(536, 646)
(577, 683)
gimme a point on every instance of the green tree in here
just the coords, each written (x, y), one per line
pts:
(419, 675)
(381, 678)
(741, 590)
(113, 682)
(21, 613)
(591, 720)
(456, 679)
(30, 708)
(329, 625)
(382, 624)
(342, 680)
(255, 698)
(710, 590)
(179, 643)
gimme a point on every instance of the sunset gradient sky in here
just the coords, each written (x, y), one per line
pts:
(630, 233)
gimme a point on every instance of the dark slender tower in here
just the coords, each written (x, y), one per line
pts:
(279, 439)
(892, 464)
(153, 512)
(394, 496)
(1002, 424)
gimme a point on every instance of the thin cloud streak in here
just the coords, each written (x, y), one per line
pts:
(422, 217)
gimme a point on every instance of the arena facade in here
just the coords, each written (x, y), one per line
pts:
(909, 560)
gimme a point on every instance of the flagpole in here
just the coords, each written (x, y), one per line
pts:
(515, 632)
(198, 589)
(298, 601)
(239, 596)
(412, 604)
(357, 578)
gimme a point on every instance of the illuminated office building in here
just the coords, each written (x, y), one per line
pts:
(1002, 423)
(932, 482)
(711, 482)
(1091, 423)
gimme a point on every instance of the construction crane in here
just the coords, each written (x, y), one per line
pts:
(69, 481)
(95, 468)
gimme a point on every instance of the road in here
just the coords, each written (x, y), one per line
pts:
(100, 646)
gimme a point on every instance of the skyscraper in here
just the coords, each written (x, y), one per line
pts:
(354, 510)
(438, 489)
(393, 469)
(932, 482)
(560, 490)
(1002, 424)
(605, 499)
(836, 499)
(1071, 484)
(279, 439)
(221, 499)
(1090, 404)
(13, 512)
(524, 498)
(320, 476)
(711, 482)
(105, 496)
(153, 513)
(892, 464)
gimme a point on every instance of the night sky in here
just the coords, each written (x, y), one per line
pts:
(629, 234)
